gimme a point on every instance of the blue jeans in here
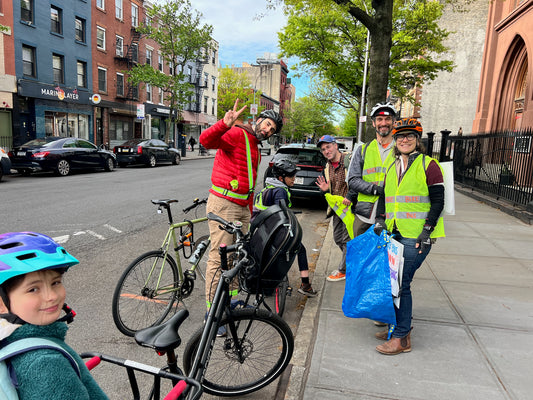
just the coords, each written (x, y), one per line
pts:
(412, 261)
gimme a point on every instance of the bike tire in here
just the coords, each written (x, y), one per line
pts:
(201, 267)
(134, 305)
(281, 296)
(269, 345)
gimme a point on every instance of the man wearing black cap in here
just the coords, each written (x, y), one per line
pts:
(335, 183)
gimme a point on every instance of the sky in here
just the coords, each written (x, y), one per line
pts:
(242, 37)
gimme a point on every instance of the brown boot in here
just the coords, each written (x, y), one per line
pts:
(395, 346)
(383, 335)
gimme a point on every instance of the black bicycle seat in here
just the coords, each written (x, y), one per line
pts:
(162, 337)
(164, 202)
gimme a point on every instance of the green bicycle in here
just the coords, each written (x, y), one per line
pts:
(155, 283)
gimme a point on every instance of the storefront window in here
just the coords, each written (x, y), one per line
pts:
(119, 131)
(55, 124)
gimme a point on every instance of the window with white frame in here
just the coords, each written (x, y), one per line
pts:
(81, 70)
(213, 83)
(161, 96)
(120, 84)
(134, 15)
(102, 79)
(160, 61)
(119, 43)
(100, 4)
(213, 107)
(100, 38)
(149, 55)
(118, 9)
(148, 92)
(171, 68)
(206, 100)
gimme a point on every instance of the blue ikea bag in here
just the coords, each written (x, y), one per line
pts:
(367, 293)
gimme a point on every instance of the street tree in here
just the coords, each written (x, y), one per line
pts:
(183, 40)
(329, 38)
(233, 85)
(308, 117)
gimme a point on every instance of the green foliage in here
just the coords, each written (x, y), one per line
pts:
(308, 117)
(231, 86)
(350, 123)
(177, 29)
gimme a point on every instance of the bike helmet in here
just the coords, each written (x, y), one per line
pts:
(284, 168)
(383, 109)
(407, 124)
(274, 116)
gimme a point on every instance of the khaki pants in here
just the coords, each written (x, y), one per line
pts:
(230, 212)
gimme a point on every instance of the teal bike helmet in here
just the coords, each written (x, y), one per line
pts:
(25, 252)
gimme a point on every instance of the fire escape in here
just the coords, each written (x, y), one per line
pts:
(131, 58)
(200, 84)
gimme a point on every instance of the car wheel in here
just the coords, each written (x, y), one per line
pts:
(176, 160)
(109, 164)
(63, 168)
(152, 161)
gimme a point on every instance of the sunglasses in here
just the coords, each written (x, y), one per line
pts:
(409, 136)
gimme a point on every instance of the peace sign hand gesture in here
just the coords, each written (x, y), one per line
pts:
(232, 115)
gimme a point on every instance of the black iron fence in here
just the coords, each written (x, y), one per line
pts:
(499, 164)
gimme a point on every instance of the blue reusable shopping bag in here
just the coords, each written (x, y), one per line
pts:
(367, 293)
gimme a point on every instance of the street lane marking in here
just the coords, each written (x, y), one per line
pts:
(112, 228)
(61, 239)
(96, 235)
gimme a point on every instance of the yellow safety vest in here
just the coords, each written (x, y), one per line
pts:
(240, 196)
(259, 198)
(343, 211)
(373, 168)
(407, 205)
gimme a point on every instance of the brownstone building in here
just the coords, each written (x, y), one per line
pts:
(505, 98)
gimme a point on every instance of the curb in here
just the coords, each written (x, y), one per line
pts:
(304, 340)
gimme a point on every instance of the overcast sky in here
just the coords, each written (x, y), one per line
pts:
(242, 36)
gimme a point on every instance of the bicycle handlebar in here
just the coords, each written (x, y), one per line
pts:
(196, 202)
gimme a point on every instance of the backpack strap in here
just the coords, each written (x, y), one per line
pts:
(28, 344)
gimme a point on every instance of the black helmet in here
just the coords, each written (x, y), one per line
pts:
(383, 109)
(274, 116)
(284, 168)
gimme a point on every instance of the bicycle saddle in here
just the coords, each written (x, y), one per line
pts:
(165, 202)
(162, 337)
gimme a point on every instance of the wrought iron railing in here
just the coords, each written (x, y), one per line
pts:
(499, 164)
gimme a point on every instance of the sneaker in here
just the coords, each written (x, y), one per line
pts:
(221, 331)
(307, 290)
(336, 276)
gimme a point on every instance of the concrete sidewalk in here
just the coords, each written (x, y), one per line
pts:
(472, 332)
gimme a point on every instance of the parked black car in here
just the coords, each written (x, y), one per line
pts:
(61, 155)
(311, 163)
(146, 151)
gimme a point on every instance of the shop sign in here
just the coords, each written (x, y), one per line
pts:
(49, 92)
(140, 111)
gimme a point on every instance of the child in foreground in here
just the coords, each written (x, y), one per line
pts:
(32, 297)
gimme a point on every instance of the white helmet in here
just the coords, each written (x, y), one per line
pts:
(383, 109)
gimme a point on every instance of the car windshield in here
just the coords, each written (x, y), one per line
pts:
(303, 156)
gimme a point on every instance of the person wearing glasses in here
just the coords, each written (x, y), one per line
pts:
(410, 208)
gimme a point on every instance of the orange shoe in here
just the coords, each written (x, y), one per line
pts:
(336, 276)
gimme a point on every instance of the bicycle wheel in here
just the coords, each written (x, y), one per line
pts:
(138, 300)
(267, 343)
(201, 266)
(281, 295)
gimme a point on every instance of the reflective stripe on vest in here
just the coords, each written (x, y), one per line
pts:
(240, 196)
(343, 211)
(407, 205)
(374, 168)
(259, 198)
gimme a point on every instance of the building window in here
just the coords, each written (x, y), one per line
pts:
(28, 61)
(149, 55)
(100, 38)
(135, 91)
(120, 46)
(100, 4)
(26, 11)
(160, 61)
(134, 15)
(79, 30)
(161, 96)
(120, 85)
(58, 68)
(206, 100)
(206, 79)
(55, 20)
(189, 69)
(213, 83)
(213, 108)
(214, 59)
(102, 79)
(118, 9)
(81, 68)
(170, 68)
(148, 92)
(134, 52)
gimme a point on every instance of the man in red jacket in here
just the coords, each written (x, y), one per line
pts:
(233, 178)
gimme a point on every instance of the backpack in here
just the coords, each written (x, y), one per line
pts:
(275, 239)
(8, 379)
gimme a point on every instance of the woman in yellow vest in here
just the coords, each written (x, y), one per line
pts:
(411, 209)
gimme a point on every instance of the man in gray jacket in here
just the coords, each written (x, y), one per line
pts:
(369, 162)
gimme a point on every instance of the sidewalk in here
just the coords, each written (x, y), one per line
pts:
(472, 332)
